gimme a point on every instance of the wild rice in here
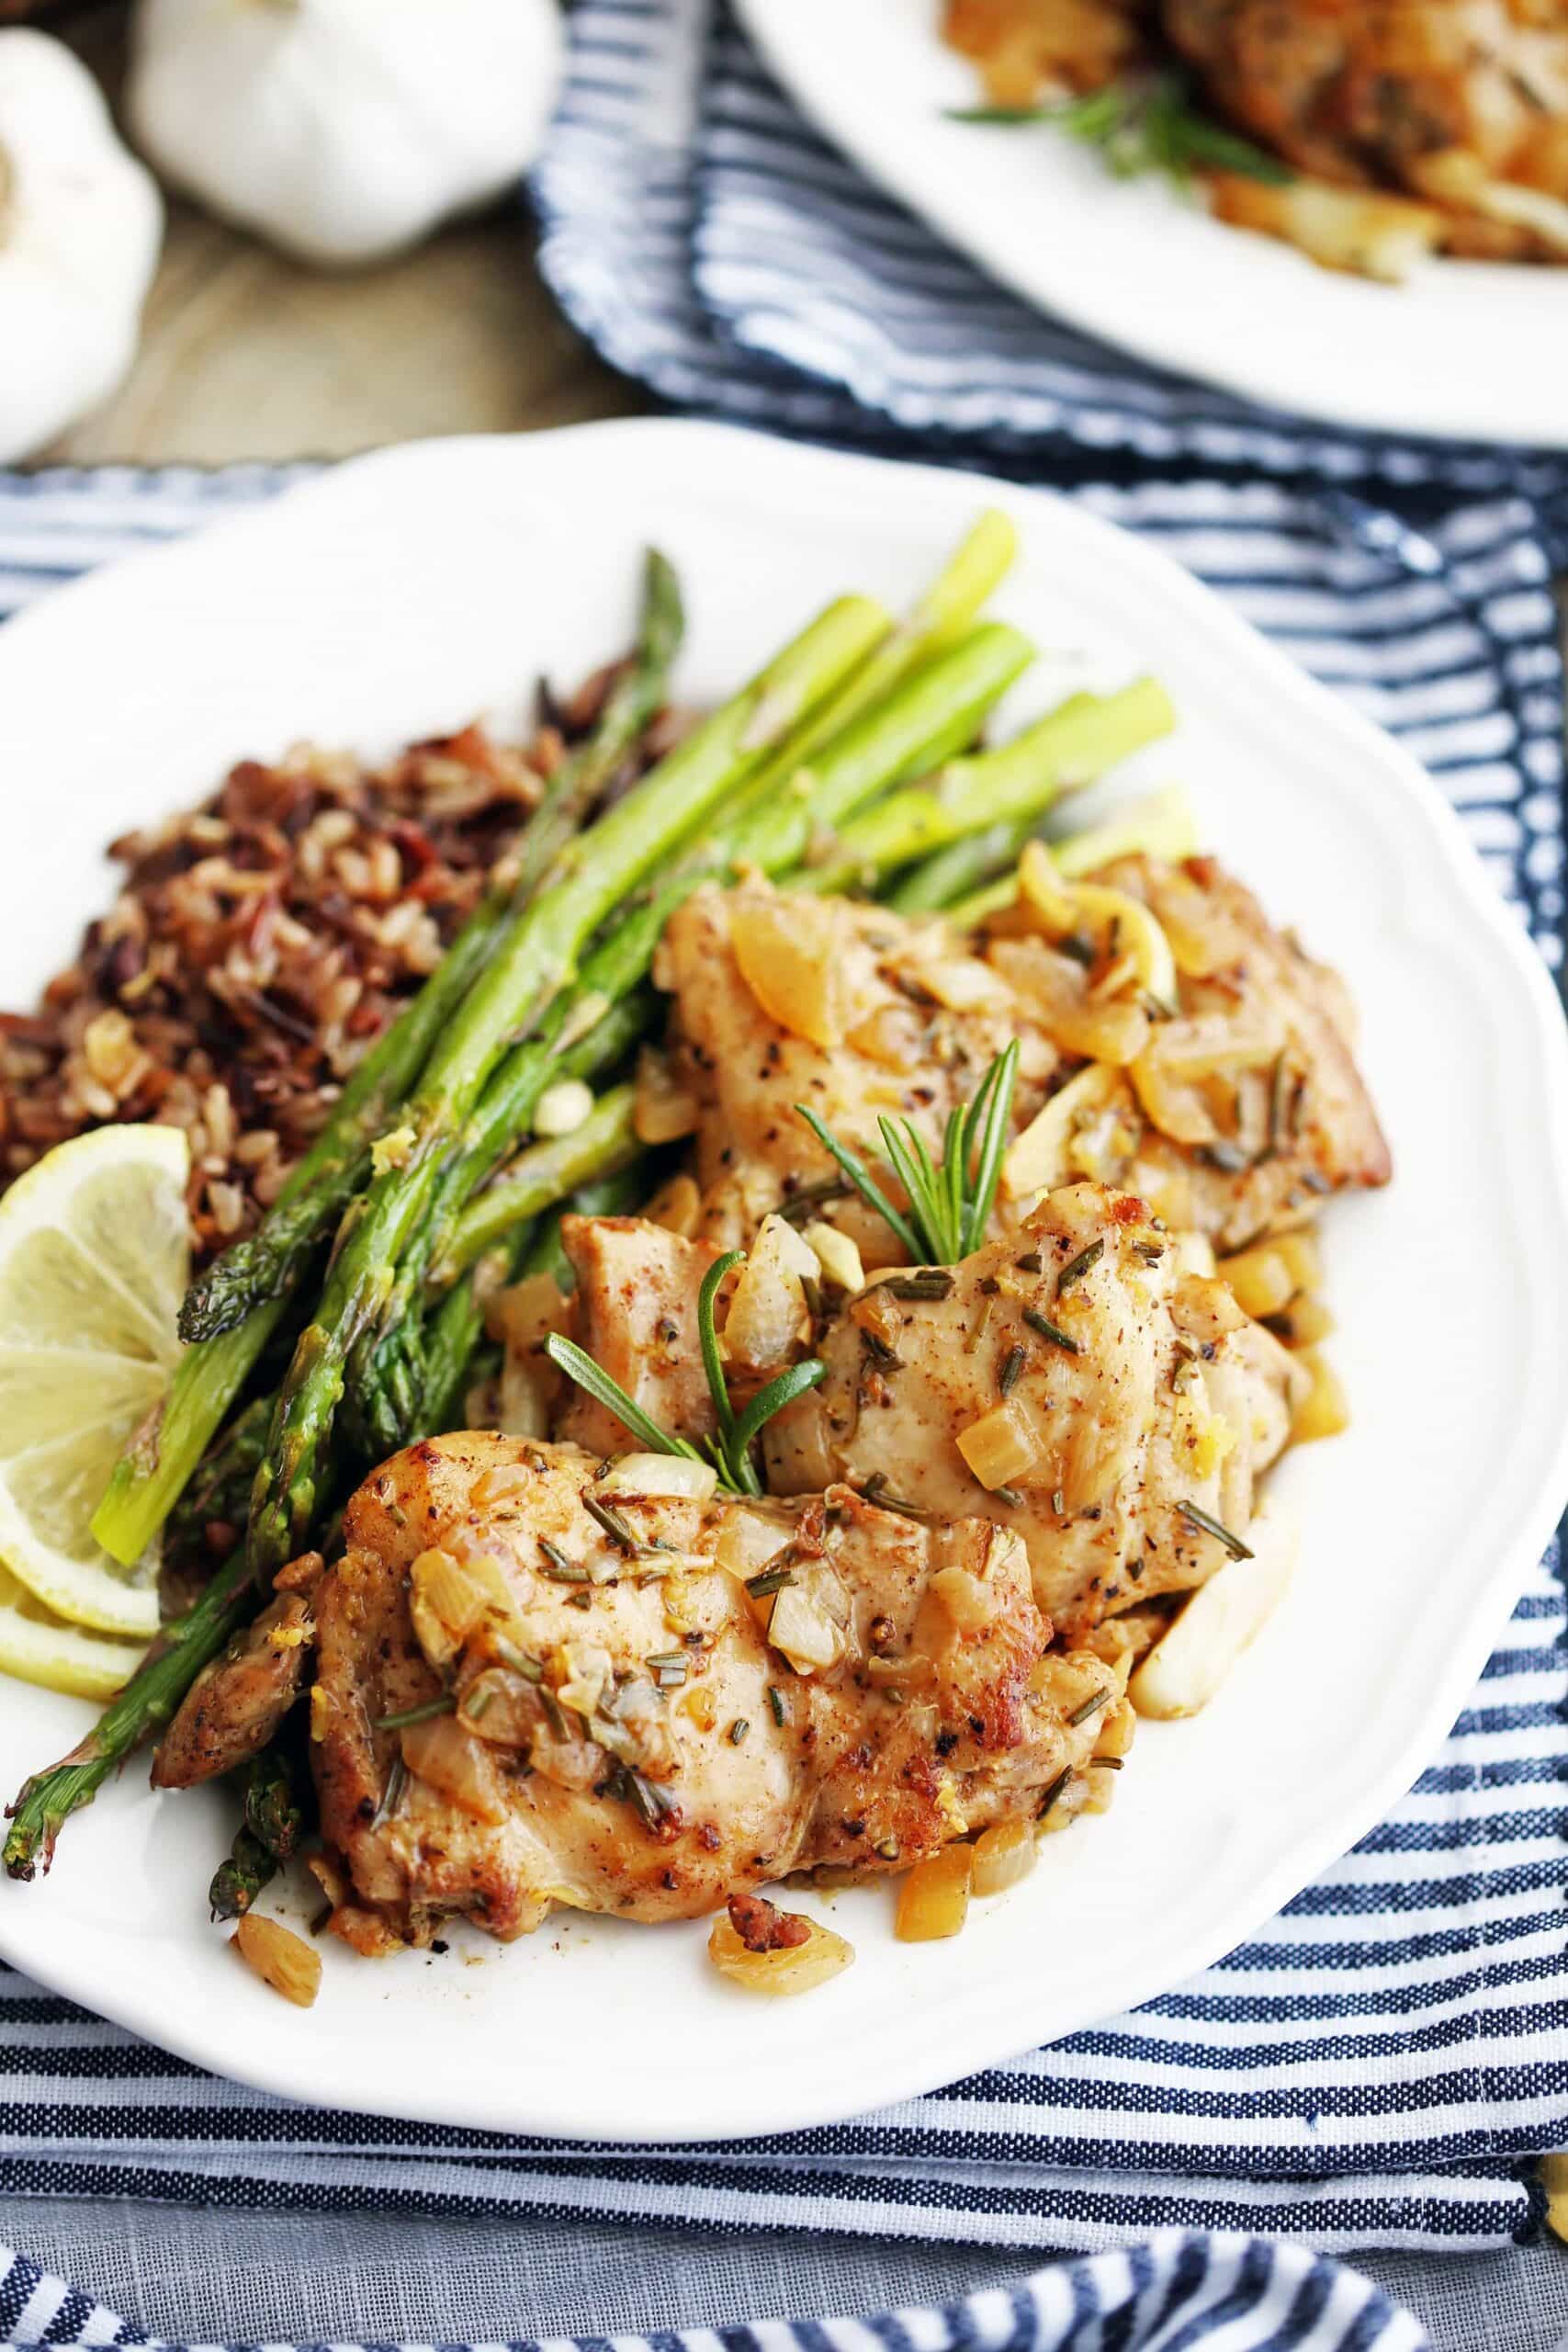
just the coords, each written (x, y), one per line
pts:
(259, 945)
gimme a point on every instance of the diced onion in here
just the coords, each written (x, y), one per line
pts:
(793, 1968)
(441, 1753)
(658, 1474)
(1138, 934)
(787, 951)
(933, 1901)
(802, 1630)
(837, 1255)
(1185, 1668)
(279, 1957)
(676, 1206)
(1037, 1159)
(767, 1316)
(1004, 1854)
(962, 983)
(1004, 1444)
(1260, 1277)
(449, 1599)
(1325, 1411)
(967, 1600)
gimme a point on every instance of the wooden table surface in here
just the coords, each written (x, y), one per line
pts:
(246, 355)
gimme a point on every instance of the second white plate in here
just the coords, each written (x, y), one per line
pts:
(1466, 350)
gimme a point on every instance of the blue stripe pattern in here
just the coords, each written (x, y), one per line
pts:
(1178, 2292)
(1376, 2066)
(709, 243)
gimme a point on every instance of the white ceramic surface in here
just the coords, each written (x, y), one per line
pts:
(1466, 350)
(409, 590)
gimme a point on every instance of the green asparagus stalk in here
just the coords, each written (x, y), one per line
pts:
(1158, 825)
(272, 1823)
(545, 1173)
(255, 1270)
(945, 611)
(963, 867)
(531, 967)
(234, 1313)
(1068, 747)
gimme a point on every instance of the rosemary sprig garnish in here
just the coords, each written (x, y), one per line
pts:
(731, 1450)
(1199, 1517)
(950, 1204)
(1145, 123)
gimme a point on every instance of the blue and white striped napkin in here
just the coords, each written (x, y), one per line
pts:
(711, 243)
(1377, 2066)
(1172, 2295)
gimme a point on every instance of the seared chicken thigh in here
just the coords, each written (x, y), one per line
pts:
(1071, 1383)
(538, 1686)
(1233, 1110)
(851, 1010)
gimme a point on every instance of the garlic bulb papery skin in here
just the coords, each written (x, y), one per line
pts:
(342, 131)
(80, 226)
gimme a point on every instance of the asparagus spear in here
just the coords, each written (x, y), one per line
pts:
(1079, 741)
(232, 1313)
(531, 965)
(945, 610)
(605, 1143)
(272, 1824)
(256, 1270)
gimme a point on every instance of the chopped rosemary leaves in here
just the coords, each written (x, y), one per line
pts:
(1092, 1706)
(1076, 1268)
(1228, 1156)
(803, 1203)
(778, 1705)
(1058, 1502)
(649, 1799)
(737, 1733)
(977, 1329)
(560, 1568)
(477, 1702)
(886, 1358)
(420, 1715)
(874, 1490)
(392, 1794)
(1008, 1495)
(1031, 1263)
(616, 1528)
(519, 1661)
(770, 1581)
(1053, 1792)
(1013, 1365)
(553, 1713)
(1195, 1514)
(1049, 1331)
(927, 1283)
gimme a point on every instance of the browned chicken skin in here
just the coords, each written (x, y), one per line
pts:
(892, 1688)
(1376, 91)
(1157, 1391)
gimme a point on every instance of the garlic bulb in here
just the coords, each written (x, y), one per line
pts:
(81, 223)
(342, 130)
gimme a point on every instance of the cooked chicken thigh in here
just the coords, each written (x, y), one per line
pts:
(850, 1009)
(1071, 1383)
(238, 1703)
(1233, 1117)
(637, 1317)
(538, 1686)
(1425, 95)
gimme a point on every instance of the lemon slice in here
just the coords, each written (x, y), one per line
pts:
(93, 1258)
(38, 1647)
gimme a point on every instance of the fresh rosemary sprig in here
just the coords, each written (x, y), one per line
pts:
(731, 1450)
(1146, 123)
(949, 1205)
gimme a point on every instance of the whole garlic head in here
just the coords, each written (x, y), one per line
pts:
(342, 131)
(81, 224)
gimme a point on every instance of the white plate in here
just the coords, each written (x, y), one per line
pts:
(410, 589)
(1469, 350)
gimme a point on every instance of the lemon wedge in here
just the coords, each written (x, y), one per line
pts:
(94, 1258)
(38, 1647)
